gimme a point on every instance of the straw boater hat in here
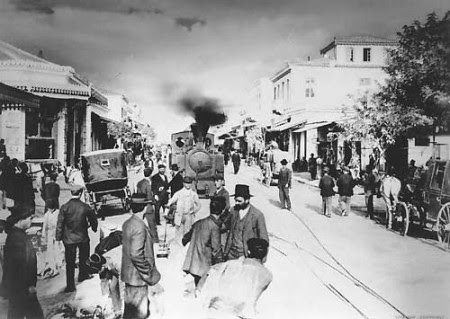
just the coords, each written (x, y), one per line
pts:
(76, 190)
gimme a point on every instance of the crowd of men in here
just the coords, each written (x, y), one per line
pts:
(227, 249)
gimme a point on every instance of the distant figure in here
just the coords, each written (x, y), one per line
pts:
(231, 289)
(246, 222)
(319, 163)
(74, 219)
(176, 183)
(24, 188)
(312, 167)
(55, 250)
(345, 184)
(143, 187)
(236, 159)
(303, 164)
(51, 190)
(160, 185)
(411, 170)
(326, 186)
(20, 267)
(205, 248)
(284, 185)
(369, 184)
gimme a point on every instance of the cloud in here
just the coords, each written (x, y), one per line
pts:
(38, 6)
(189, 23)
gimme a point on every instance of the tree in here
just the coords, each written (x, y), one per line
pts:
(414, 99)
(126, 130)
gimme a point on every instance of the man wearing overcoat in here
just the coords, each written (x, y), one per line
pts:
(246, 222)
(74, 219)
(144, 187)
(138, 269)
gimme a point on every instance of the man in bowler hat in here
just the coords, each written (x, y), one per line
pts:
(246, 222)
(74, 219)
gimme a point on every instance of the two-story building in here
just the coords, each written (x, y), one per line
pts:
(309, 96)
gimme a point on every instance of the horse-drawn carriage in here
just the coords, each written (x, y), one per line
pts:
(427, 200)
(106, 178)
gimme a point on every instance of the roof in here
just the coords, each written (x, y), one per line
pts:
(311, 126)
(12, 97)
(359, 40)
(108, 151)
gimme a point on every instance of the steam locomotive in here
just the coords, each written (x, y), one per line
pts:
(193, 150)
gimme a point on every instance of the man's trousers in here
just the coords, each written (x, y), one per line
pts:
(70, 253)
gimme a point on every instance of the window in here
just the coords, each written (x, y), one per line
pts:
(365, 81)
(278, 91)
(282, 90)
(366, 54)
(275, 93)
(350, 56)
(309, 88)
(438, 176)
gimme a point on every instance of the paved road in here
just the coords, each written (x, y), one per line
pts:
(342, 267)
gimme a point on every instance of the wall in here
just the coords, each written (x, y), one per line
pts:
(378, 54)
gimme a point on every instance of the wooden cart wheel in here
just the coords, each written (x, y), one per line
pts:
(402, 212)
(443, 226)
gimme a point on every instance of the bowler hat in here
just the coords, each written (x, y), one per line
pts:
(218, 177)
(148, 171)
(76, 189)
(187, 179)
(95, 262)
(161, 166)
(18, 213)
(242, 190)
(175, 167)
(283, 162)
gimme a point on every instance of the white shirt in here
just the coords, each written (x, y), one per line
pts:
(187, 201)
(243, 212)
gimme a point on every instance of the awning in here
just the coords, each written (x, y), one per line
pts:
(12, 97)
(286, 126)
(311, 126)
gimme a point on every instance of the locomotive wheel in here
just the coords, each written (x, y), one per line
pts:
(403, 213)
(443, 226)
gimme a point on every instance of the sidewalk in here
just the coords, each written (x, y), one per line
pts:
(305, 178)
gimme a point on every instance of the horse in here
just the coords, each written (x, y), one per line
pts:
(390, 189)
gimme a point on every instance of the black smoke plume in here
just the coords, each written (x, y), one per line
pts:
(206, 112)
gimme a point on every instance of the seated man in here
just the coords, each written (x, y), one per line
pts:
(233, 288)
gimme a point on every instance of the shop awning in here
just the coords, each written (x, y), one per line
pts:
(12, 97)
(286, 126)
(311, 126)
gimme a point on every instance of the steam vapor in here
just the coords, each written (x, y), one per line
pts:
(206, 111)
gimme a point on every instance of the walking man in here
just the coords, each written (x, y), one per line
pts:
(188, 204)
(20, 272)
(205, 248)
(159, 189)
(74, 219)
(312, 167)
(326, 186)
(236, 159)
(138, 269)
(231, 289)
(144, 187)
(370, 184)
(246, 222)
(284, 184)
(345, 184)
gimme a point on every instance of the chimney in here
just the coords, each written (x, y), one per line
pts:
(309, 58)
(40, 54)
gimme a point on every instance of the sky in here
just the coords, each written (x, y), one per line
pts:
(155, 51)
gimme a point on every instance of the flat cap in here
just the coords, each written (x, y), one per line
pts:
(187, 179)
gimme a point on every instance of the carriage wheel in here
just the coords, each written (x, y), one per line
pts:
(402, 212)
(443, 226)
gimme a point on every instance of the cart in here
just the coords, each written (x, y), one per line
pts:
(106, 178)
(428, 201)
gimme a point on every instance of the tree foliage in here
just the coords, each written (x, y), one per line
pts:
(414, 98)
(126, 129)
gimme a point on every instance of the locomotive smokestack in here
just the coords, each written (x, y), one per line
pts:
(206, 112)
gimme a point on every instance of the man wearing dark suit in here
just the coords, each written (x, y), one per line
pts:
(24, 188)
(144, 187)
(284, 184)
(159, 189)
(74, 219)
(236, 159)
(51, 190)
(138, 269)
(177, 180)
(246, 222)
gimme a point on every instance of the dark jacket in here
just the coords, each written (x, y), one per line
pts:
(20, 266)
(24, 191)
(345, 184)
(236, 158)
(51, 190)
(254, 227)
(144, 187)
(138, 259)
(370, 183)
(74, 219)
(157, 183)
(176, 183)
(326, 186)
(285, 178)
(205, 248)
(224, 193)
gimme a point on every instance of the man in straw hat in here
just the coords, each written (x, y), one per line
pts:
(246, 222)
(74, 220)
(20, 273)
(138, 268)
